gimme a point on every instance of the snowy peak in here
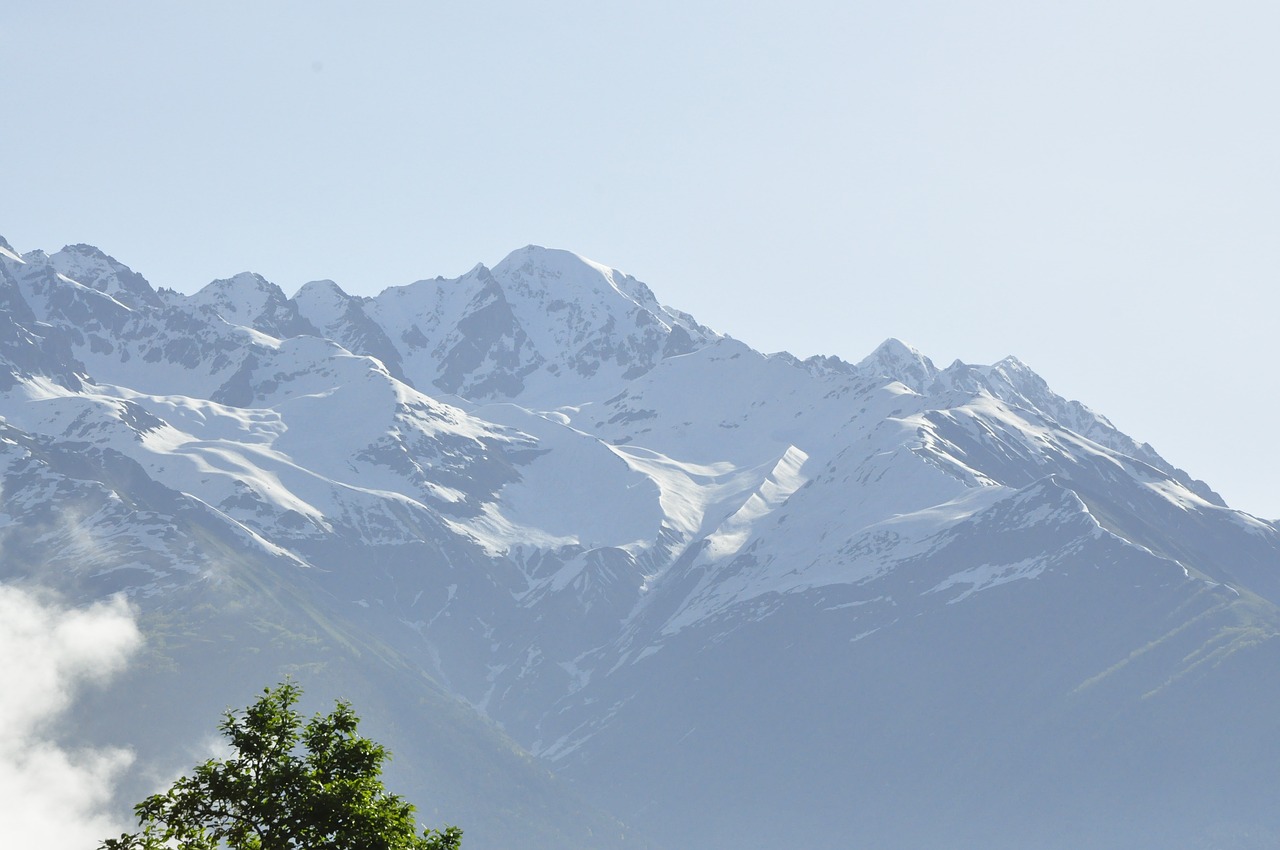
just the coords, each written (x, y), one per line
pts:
(241, 295)
(897, 361)
(321, 301)
(252, 301)
(343, 319)
(541, 322)
(95, 269)
(537, 271)
(1016, 384)
(589, 320)
(1002, 379)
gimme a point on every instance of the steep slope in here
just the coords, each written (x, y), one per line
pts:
(344, 319)
(542, 324)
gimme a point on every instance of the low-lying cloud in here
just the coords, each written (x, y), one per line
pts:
(53, 796)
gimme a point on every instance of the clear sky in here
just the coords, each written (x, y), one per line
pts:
(1091, 186)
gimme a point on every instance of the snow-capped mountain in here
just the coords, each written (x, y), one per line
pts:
(545, 522)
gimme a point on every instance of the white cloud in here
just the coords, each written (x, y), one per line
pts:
(52, 796)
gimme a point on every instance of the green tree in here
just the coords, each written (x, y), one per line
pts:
(286, 786)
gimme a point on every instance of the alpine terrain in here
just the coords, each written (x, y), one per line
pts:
(603, 577)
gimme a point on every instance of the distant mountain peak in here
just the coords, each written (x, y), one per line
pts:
(321, 287)
(898, 361)
(84, 249)
(539, 317)
(1013, 363)
(242, 281)
(249, 299)
(561, 273)
(92, 267)
(547, 262)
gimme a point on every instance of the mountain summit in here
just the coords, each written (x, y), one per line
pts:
(542, 522)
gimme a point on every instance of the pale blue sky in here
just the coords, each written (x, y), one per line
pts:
(1092, 186)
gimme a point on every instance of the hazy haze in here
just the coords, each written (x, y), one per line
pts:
(1089, 186)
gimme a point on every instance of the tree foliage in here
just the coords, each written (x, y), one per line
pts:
(286, 786)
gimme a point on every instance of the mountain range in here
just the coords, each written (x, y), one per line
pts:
(603, 577)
